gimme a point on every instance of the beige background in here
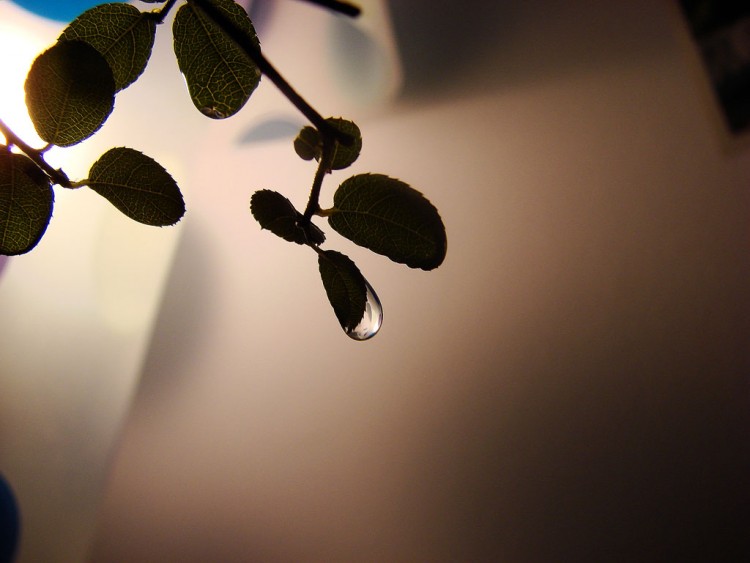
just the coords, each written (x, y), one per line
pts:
(571, 385)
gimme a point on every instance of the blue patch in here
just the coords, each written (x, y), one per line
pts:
(59, 10)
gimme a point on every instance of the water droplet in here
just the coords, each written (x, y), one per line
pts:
(372, 319)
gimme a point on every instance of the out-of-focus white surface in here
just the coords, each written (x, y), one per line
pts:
(76, 313)
(571, 385)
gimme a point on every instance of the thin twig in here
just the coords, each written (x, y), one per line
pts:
(56, 175)
(324, 166)
(242, 40)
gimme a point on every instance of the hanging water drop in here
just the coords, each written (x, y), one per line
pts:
(372, 319)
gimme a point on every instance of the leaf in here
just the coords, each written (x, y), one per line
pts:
(277, 214)
(138, 186)
(309, 143)
(26, 201)
(391, 218)
(345, 287)
(219, 74)
(121, 33)
(70, 92)
(345, 156)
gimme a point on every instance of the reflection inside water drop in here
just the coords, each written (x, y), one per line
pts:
(372, 319)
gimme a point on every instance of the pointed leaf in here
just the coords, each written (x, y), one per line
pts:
(138, 186)
(345, 287)
(70, 92)
(26, 200)
(219, 75)
(121, 33)
(277, 214)
(309, 144)
(391, 218)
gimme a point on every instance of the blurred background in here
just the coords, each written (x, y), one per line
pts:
(572, 384)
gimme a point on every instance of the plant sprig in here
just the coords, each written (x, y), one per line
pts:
(70, 93)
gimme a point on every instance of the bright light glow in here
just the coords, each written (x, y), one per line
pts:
(18, 47)
(23, 36)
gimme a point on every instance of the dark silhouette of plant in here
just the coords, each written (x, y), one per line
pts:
(70, 93)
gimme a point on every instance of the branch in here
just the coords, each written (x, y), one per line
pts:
(56, 175)
(264, 65)
(324, 166)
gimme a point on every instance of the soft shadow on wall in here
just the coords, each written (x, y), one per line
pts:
(626, 442)
(587, 401)
(456, 48)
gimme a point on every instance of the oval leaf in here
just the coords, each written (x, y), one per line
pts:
(346, 155)
(138, 186)
(121, 33)
(277, 214)
(345, 287)
(219, 75)
(391, 218)
(70, 92)
(26, 200)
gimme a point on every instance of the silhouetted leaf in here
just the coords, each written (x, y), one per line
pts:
(345, 287)
(138, 186)
(26, 200)
(391, 218)
(121, 33)
(309, 143)
(346, 155)
(219, 75)
(277, 214)
(70, 92)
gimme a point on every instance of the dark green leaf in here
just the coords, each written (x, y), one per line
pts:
(309, 143)
(277, 214)
(26, 200)
(138, 186)
(121, 33)
(219, 75)
(346, 155)
(391, 218)
(70, 92)
(345, 287)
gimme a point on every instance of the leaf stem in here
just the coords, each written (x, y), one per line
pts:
(37, 156)
(324, 166)
(161, 14)
(327, 131)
